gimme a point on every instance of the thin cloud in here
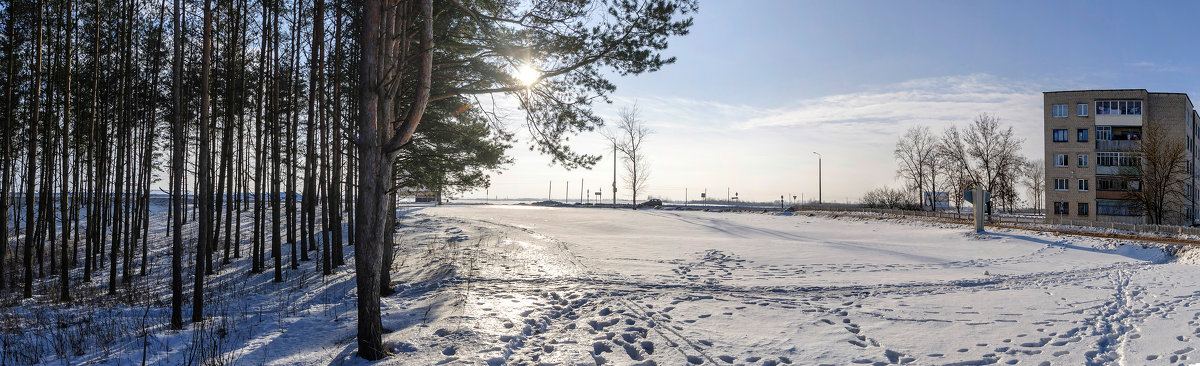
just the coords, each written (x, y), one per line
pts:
(933, 100)
(1157, 67)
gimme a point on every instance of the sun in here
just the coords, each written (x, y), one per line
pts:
(528, 75)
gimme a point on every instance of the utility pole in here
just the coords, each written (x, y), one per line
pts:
(614, 173)
(819, 177)
(567, 193)
(581, 190)
(550, 191)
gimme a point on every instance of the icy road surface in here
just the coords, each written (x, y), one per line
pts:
(531, 285)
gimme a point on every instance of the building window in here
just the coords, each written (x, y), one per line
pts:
(1081, 110)
(1060, 159)
(1111, 184)
(1060, 208)
(1104, 133)
(1117, 184)
(1083, 208)
(1083, 185)
(1119, 107)
(1060, 184)
(1118, 159)
(1116, 208)
(1060, 110)
(1081, 135)
(1083, 160)
(1060, 135)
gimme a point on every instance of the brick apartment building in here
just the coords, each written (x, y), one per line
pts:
(1090, 137)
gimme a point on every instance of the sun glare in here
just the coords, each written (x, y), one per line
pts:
(528, 75)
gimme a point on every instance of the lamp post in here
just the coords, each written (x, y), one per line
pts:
(818, 177)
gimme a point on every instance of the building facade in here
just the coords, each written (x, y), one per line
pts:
(1092, 138)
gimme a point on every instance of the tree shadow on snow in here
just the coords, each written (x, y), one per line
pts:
(1115, 251)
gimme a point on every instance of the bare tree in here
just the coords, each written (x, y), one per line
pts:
(884, 197)
(631, 134)
(984, 151)
(917, 156)
(954, 179)
(1163, 173)
(1033, 177)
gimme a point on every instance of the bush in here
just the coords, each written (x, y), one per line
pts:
(888, 198)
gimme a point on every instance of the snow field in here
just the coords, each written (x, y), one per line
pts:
(516, 285)
(763, 289)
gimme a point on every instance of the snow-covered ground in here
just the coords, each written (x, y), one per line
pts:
(494, 284)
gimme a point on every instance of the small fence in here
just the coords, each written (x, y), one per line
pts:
(1017, 219)
(1138, 228)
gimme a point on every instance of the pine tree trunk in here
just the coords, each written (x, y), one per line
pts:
(225, 195)
(31, 156)
(259, 158)
(204, 171)
(6, 179)
(115, 245)
(333, 206)
(314, 92)
(177, 171)
(374, 170)
(389, 243)
(149, 149)
(276, 245)
(293, 121)
(64, 275)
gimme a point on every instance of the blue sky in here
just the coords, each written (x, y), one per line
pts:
(760, 85)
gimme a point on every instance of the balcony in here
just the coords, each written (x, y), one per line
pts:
(1117, 145)
(1118, 120)
(1111, 195)
(1117, 170)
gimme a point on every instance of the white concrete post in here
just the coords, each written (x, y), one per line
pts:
(979, 202)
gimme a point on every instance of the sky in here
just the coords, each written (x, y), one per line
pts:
(759, 86)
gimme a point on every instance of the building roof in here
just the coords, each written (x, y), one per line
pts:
(1097, 90)
(1185, 95)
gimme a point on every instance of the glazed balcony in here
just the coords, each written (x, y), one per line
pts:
(1117, 145)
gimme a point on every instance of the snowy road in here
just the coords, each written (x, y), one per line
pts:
(523, 285)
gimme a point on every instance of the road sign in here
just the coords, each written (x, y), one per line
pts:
(969, 196)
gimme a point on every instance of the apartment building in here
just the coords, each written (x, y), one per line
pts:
(1091, 141)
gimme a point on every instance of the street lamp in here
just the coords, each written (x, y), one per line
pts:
(818, 177)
